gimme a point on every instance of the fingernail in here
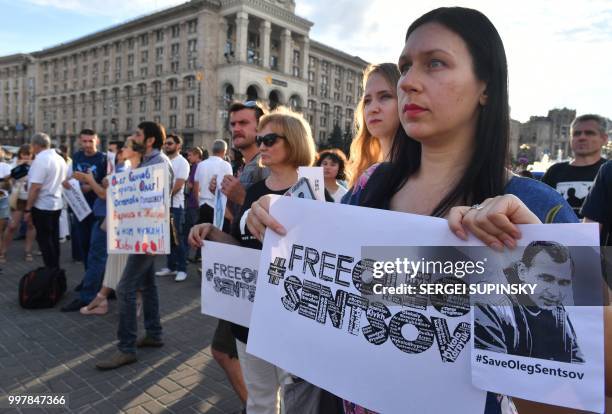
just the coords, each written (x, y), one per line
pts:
(497, 246)
(510, 243)
(461, 234)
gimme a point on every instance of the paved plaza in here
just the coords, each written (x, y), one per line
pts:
(46, 351)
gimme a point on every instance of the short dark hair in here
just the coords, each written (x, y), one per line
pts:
(257, 107)
(87, 131)
(119, 144)
(336, 156)
(557, 252)
(176, 138)
(601, 121)
(154, 130)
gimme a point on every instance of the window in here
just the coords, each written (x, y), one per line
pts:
(144, 56)
(159, 53)
(174, 50)
(157, 119)
(142, 89)
(175, 30)
(173, 102)
(128, 124)
(323, 121)
(157, 104)
(192, 63)
(311, 76)
(192, 26)
(189, 121)
(173, 84)
(106, 66)
(190, 101)
(130, 60)
(158, 70)
(130, 75)
(144, 39)
(143, 105)
(192, 45)
(118, 64)
(174, 66)
(159, 35)
(130, 43)
(144, 72)
(128, 106)
(172, 121)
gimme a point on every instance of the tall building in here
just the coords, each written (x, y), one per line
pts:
(548, 135)
(182, 67)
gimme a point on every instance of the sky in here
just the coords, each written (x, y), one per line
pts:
(559, 51)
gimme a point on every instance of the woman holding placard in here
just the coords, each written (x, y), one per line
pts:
(452, 149)
(285, 143)
(132, 153)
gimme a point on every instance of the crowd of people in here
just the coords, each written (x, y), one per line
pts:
(432, 139)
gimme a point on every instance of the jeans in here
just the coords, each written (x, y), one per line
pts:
(176, 259)
(191, 219)
(81, 234)
(46, 223)
(139, 273)
(96, 263)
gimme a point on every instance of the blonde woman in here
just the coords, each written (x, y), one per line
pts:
(376, 119)
(285, 143)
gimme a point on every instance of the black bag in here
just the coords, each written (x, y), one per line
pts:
(20, 171)
(42, 288)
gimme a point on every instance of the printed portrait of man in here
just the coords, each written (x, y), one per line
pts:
(536, 326)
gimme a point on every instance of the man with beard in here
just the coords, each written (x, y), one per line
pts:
(244, 118)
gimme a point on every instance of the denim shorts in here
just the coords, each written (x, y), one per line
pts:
(5, 211)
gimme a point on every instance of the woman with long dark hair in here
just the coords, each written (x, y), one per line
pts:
(452, 150)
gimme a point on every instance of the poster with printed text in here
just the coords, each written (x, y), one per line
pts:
(312, 319)
(76, 200)
(138, 207)
(220, 204)
(547, 345)
(315, 178)
(229, 276)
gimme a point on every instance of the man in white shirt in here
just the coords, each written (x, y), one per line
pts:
(45, 203)
(207, 170)
(177, 262)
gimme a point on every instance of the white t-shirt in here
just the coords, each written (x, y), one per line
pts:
(48, 169)
(5, 170)
(340, 192)
(180, 166)
(207, 169)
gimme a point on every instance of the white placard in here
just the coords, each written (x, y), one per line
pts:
(220, 204)
(229, 276)
(138, 207)
(313, 326)
(76, 200)
(315, 177)
(548, 351)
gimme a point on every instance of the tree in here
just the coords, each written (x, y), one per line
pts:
(335, 139)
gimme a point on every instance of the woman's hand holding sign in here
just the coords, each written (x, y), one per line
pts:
(259, 219)
(206, 231)
(493, 221)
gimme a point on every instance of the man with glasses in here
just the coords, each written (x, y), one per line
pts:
(177, 263)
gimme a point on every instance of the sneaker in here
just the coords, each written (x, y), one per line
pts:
(73, 306)
(148, 342)
(165, 272)
(118, 359)
(180, 276)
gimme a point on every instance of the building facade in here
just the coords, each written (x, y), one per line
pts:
(547, 135)
(182, 67)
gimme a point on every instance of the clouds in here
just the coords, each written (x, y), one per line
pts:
(117, 10)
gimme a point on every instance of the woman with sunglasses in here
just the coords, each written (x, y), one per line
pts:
(285, 143)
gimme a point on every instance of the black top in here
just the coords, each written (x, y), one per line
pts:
(572, 182)
(598, 204)
(253, 193)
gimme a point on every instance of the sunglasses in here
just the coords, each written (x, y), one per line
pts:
(267, 140)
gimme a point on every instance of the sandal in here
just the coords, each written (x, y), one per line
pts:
(29, 257)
